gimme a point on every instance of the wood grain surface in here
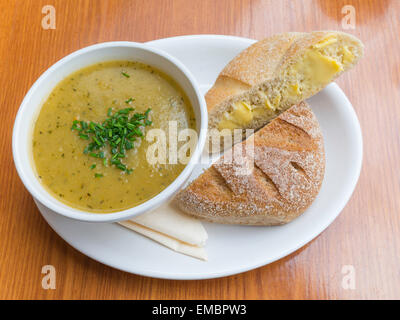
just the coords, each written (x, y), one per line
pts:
(367, 233)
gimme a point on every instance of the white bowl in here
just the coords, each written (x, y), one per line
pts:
(38, 93)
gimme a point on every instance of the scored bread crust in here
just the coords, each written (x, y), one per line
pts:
(282, 179)
(264, 63)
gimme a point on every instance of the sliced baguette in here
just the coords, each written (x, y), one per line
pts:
(289, 165)
(275, 73)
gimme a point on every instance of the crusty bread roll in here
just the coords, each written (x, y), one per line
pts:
(273, 74)
(288, 170)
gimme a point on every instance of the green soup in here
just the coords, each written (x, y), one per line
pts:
(90, 183)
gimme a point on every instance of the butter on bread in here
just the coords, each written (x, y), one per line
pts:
(289, 165)
(275, 73)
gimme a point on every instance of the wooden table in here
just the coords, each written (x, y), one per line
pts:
(366, 236)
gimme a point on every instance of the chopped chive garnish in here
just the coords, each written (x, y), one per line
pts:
(129, 101)
(128, 145)
(118, 132)
(130, 126)
(137, 132)
(75, 125)
(125, 111)
(97, 141)
(121, 166)
(125, 74)
(98, 175)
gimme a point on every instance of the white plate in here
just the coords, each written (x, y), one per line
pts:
(231, 249)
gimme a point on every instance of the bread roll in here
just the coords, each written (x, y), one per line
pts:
(275, 73)
(272, 187)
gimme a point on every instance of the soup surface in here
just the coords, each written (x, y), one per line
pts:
(88, 180)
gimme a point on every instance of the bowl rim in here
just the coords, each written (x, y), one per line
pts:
(152, 203)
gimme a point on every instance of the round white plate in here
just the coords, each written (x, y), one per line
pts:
(231, 249)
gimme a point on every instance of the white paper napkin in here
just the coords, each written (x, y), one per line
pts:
(172, 228)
